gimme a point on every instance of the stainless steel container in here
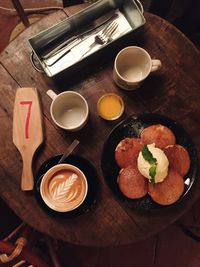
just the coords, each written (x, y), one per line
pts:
(84, 24)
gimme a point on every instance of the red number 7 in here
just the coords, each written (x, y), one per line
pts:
(29, 103)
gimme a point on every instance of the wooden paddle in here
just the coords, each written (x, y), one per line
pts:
(27, 131)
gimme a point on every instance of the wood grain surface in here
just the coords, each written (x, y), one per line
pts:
(174, 92)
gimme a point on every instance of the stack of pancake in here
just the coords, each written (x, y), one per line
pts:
(133, 184)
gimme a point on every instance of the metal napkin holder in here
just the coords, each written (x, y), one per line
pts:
(64, 31)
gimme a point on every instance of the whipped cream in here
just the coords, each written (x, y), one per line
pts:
(162, 164)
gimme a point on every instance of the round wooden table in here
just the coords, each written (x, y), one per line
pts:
(174, 92)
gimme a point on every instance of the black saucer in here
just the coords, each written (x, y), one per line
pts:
(87, 168)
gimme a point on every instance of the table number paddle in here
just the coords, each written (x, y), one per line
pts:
(27, 131)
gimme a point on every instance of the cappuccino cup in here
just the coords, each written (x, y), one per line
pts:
(69, 110)
(133, 65)
(63, 188)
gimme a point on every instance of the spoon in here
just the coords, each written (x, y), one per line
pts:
(70, 148)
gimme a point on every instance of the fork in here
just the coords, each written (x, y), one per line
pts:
(103, 37)
(97, 25)
(109, 28)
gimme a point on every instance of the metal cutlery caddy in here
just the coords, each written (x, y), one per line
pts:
(66, 45)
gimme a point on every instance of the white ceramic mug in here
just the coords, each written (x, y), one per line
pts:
(69, 110)
(132, 65)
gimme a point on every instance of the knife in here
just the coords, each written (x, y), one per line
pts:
(77, 38)
(64, 51)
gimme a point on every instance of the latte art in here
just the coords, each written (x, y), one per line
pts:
(63, 188)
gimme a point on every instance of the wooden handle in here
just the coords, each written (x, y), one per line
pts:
(27, 179)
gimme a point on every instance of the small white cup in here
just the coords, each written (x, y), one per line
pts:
(132, 65)
(69, 110)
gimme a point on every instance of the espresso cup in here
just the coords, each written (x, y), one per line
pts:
(132, 65)
(69, 110)
(63, 188)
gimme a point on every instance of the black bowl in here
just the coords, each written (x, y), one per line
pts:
(131, 127)
(87, 168)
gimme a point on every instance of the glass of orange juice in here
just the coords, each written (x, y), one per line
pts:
(110, 106)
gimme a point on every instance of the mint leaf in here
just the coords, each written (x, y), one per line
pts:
(152, 172)
(147, 155)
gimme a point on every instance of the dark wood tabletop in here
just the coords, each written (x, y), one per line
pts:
(173, 92)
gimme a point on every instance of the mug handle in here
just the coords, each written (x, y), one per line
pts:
(156, 65)
(51, 94)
